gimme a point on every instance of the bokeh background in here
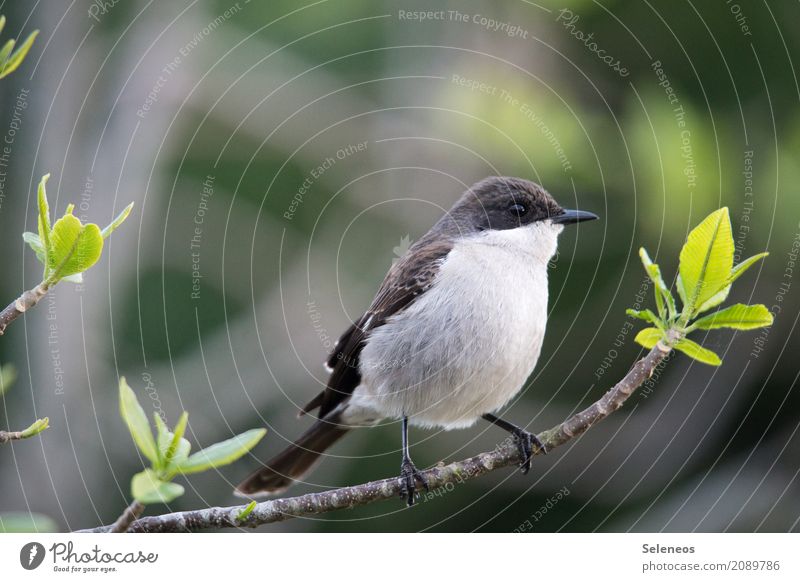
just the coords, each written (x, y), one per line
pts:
(247, 117)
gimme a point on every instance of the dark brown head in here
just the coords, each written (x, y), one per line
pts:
(502, 203)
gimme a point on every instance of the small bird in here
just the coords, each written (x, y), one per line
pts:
(451, 336)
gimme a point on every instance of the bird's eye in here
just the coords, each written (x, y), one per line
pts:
(518, 210)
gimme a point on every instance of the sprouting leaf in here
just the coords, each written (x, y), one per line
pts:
(6, 50)
(706, 259)
(244, 513)
(2, 22)
(645, 315)
(26, 522)
(44, 217)
(13, 62)
(117, 221)
(662, 292)
(739, 269)
(37, 427)
(136, 420)
(33, 241)
(737, 316)
(221, 453)
(74, 247)
(179, 447)
(698, 352)
(147, 488)
(714, 300)
(8, 375)
(648, 337)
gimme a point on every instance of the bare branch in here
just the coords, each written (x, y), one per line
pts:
(504, 455)
(22, 304)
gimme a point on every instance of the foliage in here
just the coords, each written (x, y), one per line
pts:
(706, 273)
(68, 247)
(10, 62)
(168, 452)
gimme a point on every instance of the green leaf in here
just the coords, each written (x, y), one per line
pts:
(117, 221)
(706, 259)
(2, 22)
(221, 453)
(737, 316)
(179, 447)
(147, 488)
(244, 513)
(645, 315)
(739, 269)
(44, 218)
(74, 247)
(648, 337)
(33, 241)
(5, 51)
(714, 300)
(136, 420)
(662, 292)
(8, 375)
(698, 352)
(25, 522)
(19, 55)
(37, 427)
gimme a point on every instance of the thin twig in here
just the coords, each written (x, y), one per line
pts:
(6, 436)
(130, 515)
(22, 304)
(504, 455)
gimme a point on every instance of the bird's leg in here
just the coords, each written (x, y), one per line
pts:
(408, 471)
(523, 438)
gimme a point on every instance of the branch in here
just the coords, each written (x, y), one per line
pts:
(124, 521)
(37, 427)
(22, 304)
(504, 455)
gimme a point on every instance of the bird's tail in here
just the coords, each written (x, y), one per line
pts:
(293, 462)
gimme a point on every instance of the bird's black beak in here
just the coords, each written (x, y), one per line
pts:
(573, 216)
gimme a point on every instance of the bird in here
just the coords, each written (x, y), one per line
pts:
(452, 335)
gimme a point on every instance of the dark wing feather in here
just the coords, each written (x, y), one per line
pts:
(408, 278)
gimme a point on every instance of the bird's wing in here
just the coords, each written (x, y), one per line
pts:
(408, 278)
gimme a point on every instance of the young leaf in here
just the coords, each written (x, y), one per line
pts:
(714, 300)
(739, 269)
(147, 488)
(662, 292)
(8, 375)
(15, 60)
(74, 247)
(648, 337)
(37, 427)
(645, 315)
(2, 22)
(242, 515)
(136, 420)
(44, 218)
(26, 522)
(5, 51)
(698, 352)
(221, 453)
(706, 259)
(737, 316)
(33, 241)
(117, 221)
(179, 447)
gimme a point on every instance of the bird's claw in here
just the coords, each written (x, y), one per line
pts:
(525, 443)
(410, 475)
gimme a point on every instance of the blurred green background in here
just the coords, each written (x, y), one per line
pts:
(265, 104)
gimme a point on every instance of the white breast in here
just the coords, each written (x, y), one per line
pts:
(467, 345)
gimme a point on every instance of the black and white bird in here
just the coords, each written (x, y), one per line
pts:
(453, 333)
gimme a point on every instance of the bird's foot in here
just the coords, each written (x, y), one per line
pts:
(525, 442)
(410, 475)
